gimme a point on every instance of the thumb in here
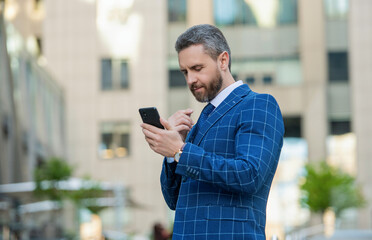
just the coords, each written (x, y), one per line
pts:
(189, 111)
(165, 123)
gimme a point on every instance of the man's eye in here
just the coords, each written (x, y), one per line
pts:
(198, 69)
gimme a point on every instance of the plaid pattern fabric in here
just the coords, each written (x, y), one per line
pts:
(207, 110)
(219, 187)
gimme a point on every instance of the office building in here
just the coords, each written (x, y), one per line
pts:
(113, 57)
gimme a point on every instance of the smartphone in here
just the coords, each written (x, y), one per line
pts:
(151, 116)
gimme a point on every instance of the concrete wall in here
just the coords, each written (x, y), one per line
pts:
(360, 38)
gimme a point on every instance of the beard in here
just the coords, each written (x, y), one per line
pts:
(211, 89)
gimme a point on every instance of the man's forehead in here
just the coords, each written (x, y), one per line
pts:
(193, 48)
(192, 55)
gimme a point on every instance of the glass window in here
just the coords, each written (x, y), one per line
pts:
(285, 71)
(176, 79)
(287, 12)
(249, 80)
(115, 140)
(338, 70)
(255, 12)
(336, 9)
(176, 10)
(106, 74)
(292, 126)
(267, 79)
(114, 74)
(233, 12)
(124, 78)
(340, 127)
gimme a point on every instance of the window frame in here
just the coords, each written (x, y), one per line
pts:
(117, 142)
(116, 74)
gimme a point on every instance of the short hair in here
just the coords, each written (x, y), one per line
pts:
(209, 36)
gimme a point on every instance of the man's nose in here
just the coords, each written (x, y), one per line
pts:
(191, 78)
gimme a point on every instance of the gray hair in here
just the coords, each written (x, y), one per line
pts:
(209, 36)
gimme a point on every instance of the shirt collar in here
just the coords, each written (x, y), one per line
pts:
(224, 93)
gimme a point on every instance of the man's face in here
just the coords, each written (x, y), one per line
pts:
(201, 72)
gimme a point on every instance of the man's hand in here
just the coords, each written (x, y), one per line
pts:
(166, 141)
(181, 122)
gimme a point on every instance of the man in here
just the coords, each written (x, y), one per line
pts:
(218, 175)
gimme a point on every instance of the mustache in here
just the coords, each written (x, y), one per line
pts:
(195, 86)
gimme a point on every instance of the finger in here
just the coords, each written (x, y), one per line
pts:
(188, 121)
(165, 123)
(184, 119)
(149, 134)
(151, 142)
(154, 147)
(182, 128)
(150, 128)
(189, 111)
(186, 112)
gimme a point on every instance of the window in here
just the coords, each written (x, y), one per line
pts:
(340, 127)
(124, 80)
(235, 76)
(233, 12)
(287, 12)
(114, 74)
(5, 126)
(176, 79)
(249, 80)
(24, 143)
(255, 12)
(267, 79)
(106, 74)
(258, 78)
(115, 140)
(336, 9)
(338, 70)
(176, 10)
(292, 126)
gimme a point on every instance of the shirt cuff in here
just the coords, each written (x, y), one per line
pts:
(170, 159)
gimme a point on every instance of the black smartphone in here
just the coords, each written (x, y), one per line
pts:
(151, 116)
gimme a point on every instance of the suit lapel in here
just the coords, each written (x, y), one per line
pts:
(191, 133)
(234, 98)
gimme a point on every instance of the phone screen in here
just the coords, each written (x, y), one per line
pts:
(151, 116)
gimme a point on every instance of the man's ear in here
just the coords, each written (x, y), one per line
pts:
(223, 61)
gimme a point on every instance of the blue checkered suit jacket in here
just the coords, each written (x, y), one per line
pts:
(219, 187)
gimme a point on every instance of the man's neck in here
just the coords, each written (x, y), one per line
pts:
(222, 95)
(227, 80)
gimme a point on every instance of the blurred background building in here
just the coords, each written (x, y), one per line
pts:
(107, 58)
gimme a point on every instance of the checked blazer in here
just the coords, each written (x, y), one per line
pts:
(219, 187)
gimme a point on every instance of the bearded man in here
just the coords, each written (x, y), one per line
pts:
(217, 173)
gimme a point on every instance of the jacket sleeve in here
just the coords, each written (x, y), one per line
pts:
(170, 183)
(258, 141)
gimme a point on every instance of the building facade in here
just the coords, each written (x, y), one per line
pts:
(31, 109)
(113, 57)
